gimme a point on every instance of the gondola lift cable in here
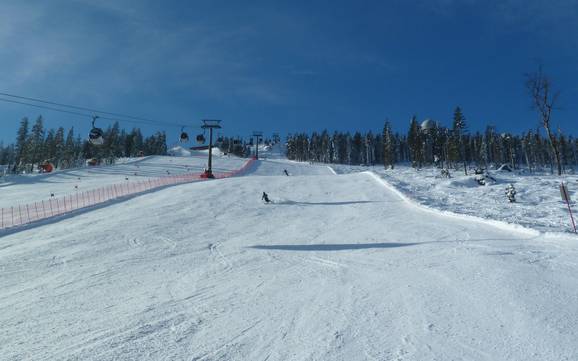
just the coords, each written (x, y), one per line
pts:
(119, 116)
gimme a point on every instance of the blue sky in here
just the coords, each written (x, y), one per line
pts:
(288, 66)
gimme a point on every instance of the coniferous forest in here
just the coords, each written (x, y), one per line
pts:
(424, 143)
(36, 145)
(429, 143)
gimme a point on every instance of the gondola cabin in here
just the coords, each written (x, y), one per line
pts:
(96, 136)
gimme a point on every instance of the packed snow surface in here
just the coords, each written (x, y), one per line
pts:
(338, 267)
(22, 189)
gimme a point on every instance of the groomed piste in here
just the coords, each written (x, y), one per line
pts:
(337, 267)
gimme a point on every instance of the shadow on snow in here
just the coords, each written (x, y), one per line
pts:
(331, 247)
(287, 202)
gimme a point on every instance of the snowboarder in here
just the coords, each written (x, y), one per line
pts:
(286, 173)
(265, 197)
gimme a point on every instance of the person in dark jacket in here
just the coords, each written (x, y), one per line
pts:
(286, 173)
(265, 197)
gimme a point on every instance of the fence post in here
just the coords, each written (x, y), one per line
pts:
(20, 213)
(12, 211)
(2, 217)
(28, 213)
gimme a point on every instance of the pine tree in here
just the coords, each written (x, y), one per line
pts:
(415, 143)
(7, 155)
(356, 149)
(388, 146)
(369, 152)
(49, 147)
(21, 143)
(484, 152)
(109, 147)
(137, 142)
(59, 145)
(458, 130)
(35, 143)
(69, 149)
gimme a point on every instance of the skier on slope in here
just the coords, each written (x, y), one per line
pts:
(286, 173)
(265, 197)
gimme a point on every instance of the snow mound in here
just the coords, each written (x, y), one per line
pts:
(179, 151)
(216, 151)
(468, 182)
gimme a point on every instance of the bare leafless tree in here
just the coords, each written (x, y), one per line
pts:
(540, 88)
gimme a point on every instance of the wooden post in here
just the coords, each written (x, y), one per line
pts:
(566, 197)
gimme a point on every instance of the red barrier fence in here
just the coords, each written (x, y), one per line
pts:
(25, 214)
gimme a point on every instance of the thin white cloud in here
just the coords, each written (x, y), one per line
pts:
(69, 52)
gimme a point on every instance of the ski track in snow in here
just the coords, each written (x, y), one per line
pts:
(341, 268)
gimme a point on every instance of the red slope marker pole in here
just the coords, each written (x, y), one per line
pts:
(566, 198)
(571, 217)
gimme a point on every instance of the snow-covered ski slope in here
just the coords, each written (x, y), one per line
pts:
(339, 267)
(35, 187)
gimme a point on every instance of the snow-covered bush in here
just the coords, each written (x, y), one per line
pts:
(511, 193)
(480, 179)
(484, 178)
